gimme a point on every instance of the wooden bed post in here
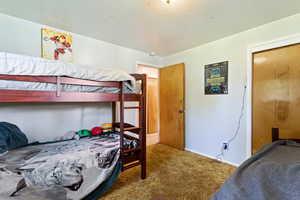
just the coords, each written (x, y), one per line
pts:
(121, 120)
(113, 115)
(142, 123)
(275, 134)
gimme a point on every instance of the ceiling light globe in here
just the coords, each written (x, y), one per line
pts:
(166, 1)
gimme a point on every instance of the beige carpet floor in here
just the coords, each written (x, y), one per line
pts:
(172, 175)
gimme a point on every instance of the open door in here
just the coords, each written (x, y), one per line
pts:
(152, 105)
(172, 101)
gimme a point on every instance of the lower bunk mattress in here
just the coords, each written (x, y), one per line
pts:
(67, 170)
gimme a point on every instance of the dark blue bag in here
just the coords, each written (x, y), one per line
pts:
(11, 137)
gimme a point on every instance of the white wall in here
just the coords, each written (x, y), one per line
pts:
(45, 121)
(210, 120)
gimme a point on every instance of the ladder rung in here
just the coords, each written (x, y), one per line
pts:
(131, 137)
(131, 150)
(131, 129)
(128, 166)
(132, 107)
(126, 125)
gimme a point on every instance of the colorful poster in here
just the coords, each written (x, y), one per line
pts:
(216, 78)
(56, 45)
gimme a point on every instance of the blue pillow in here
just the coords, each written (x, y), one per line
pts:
(11, 137)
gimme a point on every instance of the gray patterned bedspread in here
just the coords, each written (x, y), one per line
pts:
(67, 170)
(271, 174)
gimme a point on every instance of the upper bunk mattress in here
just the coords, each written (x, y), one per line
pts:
(14, 64)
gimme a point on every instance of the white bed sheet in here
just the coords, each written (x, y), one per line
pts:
(14, 64)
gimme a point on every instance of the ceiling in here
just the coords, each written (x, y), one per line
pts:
(150, 25)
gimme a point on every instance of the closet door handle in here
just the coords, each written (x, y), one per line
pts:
(181, 111)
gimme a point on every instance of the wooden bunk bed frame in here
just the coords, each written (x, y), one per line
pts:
(130, 157)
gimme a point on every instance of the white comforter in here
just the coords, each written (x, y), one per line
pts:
(13, 64)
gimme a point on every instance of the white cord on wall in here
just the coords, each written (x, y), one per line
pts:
(221, 154)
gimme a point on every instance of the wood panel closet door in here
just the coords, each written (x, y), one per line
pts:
(172, 101)
(276, 94)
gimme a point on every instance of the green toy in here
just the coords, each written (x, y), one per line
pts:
(83, 133)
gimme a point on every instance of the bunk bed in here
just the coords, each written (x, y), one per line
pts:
(116, 95)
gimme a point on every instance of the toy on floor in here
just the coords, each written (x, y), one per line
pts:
(107, 128)
(84, 133)
(96, 131)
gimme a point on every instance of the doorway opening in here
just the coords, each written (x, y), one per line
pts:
(152, 104)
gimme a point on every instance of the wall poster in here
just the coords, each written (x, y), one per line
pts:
(56, 45)
(216, 78)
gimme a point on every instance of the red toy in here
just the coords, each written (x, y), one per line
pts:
(96, 131)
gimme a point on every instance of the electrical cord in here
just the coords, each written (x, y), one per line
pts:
(220, 156)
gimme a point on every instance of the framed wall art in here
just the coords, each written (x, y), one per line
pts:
(216, 78)
(56, 45)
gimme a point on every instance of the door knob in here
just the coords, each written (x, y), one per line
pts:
(181, 111)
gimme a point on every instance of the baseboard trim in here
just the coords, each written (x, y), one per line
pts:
(211, 157)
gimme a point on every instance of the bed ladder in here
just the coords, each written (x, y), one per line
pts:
(137, 156)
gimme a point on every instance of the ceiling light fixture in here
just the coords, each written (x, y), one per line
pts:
(166, 1)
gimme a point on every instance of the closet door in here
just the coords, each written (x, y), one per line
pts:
(276, 94)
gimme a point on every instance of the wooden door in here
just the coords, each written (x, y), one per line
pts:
(152, 105)
(276, 94)
(172, 101)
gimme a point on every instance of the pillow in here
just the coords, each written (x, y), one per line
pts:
(11, 137)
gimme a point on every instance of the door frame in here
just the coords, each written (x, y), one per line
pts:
(137, 63)
(156, 67)
(252, 49)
